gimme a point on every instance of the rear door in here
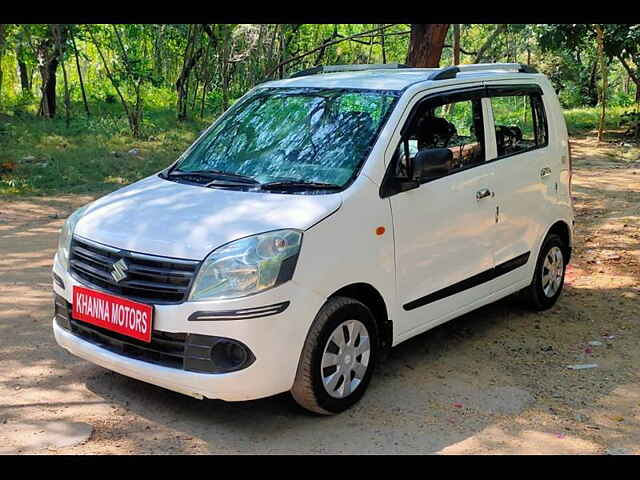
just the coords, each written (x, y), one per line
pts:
(525, 186)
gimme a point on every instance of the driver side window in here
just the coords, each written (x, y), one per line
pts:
(442, 124)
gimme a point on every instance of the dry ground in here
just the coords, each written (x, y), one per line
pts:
(493, 381)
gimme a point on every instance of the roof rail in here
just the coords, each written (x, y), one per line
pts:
(346, 68)
(451, 72)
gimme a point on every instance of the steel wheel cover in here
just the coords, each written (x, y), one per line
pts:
(345, 358)
(552, 271)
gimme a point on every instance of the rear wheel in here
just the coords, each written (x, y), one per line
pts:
(548, 278)
(338, 357)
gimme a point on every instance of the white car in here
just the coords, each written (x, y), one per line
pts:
(322, 220)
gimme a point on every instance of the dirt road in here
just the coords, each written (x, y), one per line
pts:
(493, 381)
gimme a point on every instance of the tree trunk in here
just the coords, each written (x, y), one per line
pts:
(384, 50)
(48, 88)
(204, 96)
(133, 115)
(632, 75)
(592, 88)
(626, 84)
(59, 33)
(23, 70)
(195, 91)
(182, 82)
(157, 50)
(75, 51)
(191, 57)
(3, 29)
(456, 44)
(426, 44)
(25, 83)
(208, 68)
(282, 51)
(603, 91)
(134, 112)
(136, 120)
(48, 61)
(225, 66)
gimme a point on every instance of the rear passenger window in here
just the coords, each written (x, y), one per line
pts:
(520, 123)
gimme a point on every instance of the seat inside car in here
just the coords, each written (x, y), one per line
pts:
(435, 132)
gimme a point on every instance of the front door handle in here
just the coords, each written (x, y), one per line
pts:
(484, 193)
(545, 172)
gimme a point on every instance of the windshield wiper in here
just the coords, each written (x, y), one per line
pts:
(287, 184)
(214, 175)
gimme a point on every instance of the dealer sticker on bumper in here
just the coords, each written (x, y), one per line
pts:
(113, 313)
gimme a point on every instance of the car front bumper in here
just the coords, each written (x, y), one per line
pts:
(276, 341)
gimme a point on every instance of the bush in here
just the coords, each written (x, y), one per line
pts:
(585, 119)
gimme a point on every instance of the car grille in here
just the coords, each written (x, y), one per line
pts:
(148, 278)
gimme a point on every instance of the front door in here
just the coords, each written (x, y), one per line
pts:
(443, 229)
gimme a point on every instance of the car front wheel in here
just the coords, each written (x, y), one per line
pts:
(338, 357)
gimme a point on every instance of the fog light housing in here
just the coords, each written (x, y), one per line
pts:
(207, 354)
(228, 355)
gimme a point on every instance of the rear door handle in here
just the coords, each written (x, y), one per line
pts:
(545, 172)
(484, 193)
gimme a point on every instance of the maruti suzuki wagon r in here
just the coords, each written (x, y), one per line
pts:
(320, 221)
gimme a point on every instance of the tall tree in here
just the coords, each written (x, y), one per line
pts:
(426, 44)
(193, 52)
(75, 52)
(3, 29)
(48, 60)
(130, 71)
(456, 44)
(623, 41)
(605, 77)
(24, 59)
(225, 33)
(60, 35)
(23, 70)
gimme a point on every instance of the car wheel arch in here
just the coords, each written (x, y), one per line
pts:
(372, 298)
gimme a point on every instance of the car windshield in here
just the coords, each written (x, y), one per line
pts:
(303, 135)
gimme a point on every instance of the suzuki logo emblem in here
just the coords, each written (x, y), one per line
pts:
(119, 270)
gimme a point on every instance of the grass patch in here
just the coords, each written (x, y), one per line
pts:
(43, 156)
(586, 119)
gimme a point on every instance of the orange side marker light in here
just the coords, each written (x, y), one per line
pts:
(380, 231)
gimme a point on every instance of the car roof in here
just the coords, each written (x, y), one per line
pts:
(392, 79)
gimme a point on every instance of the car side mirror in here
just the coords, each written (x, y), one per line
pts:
(431, 163)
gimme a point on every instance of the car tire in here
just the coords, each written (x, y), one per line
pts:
(548, 278)
(322, 387)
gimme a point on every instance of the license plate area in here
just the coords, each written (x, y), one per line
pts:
(126, 317)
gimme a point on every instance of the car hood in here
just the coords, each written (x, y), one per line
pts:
(165, 218)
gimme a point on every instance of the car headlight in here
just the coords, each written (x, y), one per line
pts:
(248, 266)
(64, 239)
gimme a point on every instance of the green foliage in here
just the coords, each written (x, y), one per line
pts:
(514, 111)
(585, 120)
(146, 60)
(91, 155)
